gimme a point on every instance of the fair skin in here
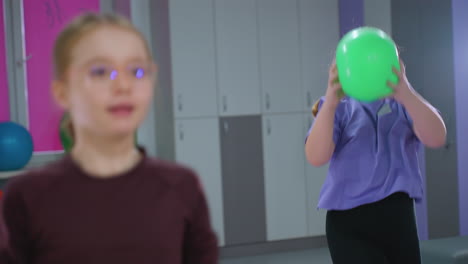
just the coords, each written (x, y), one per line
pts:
(428, 125)
(106, 112)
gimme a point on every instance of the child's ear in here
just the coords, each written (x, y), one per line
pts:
(60, 94)
(315, 108)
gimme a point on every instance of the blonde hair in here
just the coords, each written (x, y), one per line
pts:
(79, 28)
(315, 108)
(68, 38)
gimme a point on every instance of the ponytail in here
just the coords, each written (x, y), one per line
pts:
(67, 134)
(315, 108)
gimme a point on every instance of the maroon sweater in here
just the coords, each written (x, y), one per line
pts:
(155, 214)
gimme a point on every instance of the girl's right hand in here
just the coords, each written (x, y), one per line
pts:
(334, 92)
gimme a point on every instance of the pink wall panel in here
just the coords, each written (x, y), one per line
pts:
(43, 21)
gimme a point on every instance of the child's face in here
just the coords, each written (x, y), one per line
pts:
(109, 84)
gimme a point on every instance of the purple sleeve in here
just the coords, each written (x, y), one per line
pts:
(407, 116)
(200, 242)
(336, 126)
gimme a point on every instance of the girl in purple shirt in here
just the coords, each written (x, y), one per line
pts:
(106, 201)
(374, 173)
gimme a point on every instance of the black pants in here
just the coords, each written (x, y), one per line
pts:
(381, 232)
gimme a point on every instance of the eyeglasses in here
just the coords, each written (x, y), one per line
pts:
(103, 73)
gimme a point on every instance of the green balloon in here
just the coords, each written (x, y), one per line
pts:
(65, 136)
(364, 58)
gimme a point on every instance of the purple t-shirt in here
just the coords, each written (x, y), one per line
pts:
(376, 154)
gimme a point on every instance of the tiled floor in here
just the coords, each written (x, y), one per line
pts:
(315, 256)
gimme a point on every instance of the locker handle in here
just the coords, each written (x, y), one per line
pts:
(309, 99)
(179, 102)
(224, 103)
(448, 144)
(181, 132)
(268, 127)
(267, 101)
(226, 127)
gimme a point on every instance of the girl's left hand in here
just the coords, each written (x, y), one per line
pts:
(402, 90)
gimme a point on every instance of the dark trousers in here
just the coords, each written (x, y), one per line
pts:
(380, 232)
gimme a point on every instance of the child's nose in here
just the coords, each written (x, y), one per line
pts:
(122, 82)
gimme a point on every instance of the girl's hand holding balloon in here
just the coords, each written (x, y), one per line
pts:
(334, 91)
(402, 91)
(428, 124)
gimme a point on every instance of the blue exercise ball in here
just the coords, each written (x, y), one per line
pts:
(16, 146)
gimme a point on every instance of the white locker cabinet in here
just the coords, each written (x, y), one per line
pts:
(198, 146)
(319, 36)
(237, 57)
(315, 178)
(193, 58)
(279, 56)
(285, 186)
